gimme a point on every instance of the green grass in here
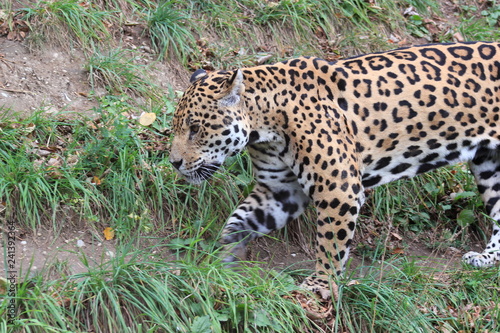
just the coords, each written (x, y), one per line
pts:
(197, 294)
(477, 24)
(434, 192)
(124, 7)
(168, 30)
(119, 73)
(216, 34)
(54, 19)
(422, 300)
(186, 296)
(444, 200)
(109, 171)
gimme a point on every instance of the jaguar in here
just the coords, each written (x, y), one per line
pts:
(322, 132)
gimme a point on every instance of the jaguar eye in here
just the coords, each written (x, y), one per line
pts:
(195, 128)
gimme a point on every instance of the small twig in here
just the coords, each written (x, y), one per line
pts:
(6, 62)
(16, 91)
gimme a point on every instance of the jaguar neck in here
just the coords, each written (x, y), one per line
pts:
(267, 118)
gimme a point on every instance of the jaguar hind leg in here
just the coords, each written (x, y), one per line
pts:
(486, 169)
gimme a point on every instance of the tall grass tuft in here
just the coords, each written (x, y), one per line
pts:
(118, 72)
(134, 294)
(168, 28)
(35, 182)
(54, 19)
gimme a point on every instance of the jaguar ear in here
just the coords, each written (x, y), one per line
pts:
(233, 89)
(198, 74)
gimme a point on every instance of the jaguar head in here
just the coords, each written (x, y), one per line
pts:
(209, 124)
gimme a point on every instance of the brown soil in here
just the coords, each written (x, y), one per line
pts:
(50, 79)
(73, 247)
(70, 249)
(55, 80)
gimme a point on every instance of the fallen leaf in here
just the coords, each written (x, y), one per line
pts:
(353, 283)
(263, 59)
(410, 11)
(147, 118)
(458, 37)
(96, 180)
(43, 152)
(54, 162)
(30, 128)
(398, 250)
(431, 26)
(71, 160)
(109, 233)
(396, 236)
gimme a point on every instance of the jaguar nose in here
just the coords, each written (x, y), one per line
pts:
(176, 164)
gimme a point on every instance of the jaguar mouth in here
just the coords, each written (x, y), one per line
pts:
(204, 172)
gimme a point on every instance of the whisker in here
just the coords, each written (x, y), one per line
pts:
(202, 171)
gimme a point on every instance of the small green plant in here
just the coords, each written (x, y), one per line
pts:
(34, 180)
(170, 35)
(118, 72)
(287, 12)
(492, 14)
(124, 7)
(358, 10)
(422, 201)
(417, 28)
(424, 7)
(225, 16)
(477, 25)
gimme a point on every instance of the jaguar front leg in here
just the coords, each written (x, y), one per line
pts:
(270, 206)
(337, 213)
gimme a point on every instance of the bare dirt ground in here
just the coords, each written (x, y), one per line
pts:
(71, 250)
(52, 79)
(57, 81)
(75, 250)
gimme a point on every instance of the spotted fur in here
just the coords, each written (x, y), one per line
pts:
(321, 132)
